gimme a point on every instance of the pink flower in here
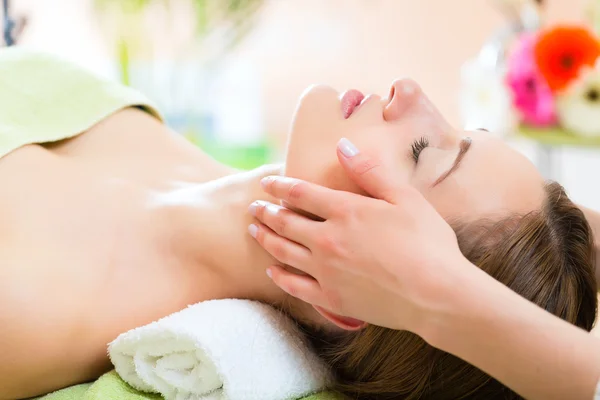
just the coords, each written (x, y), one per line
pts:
(532, 96)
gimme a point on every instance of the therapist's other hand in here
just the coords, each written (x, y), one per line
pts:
(386, 260)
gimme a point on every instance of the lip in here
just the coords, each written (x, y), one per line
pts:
(350, 101)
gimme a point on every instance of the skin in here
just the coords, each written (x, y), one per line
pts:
(130, 223)
(434, 292)
(492, 180)
(388, 127)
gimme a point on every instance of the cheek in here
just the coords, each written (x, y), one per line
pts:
(465, 197)
(313, 159)
(311, 154)
(318, 126)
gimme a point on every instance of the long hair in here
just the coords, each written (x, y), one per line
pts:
(545, 256)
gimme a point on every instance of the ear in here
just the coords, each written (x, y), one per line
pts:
(346, 323)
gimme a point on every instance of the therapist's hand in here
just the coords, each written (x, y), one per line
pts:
(387, 260)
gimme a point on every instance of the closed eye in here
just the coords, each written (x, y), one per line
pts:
(417, 147)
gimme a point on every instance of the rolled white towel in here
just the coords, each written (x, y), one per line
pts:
(220, 350)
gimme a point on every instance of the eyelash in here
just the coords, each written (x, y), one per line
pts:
(418, 146)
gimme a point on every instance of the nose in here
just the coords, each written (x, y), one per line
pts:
(404, 93)
(407, 102)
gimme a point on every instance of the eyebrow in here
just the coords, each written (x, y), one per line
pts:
(465, 145)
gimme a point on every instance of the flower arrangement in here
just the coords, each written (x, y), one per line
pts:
(549, 79)
(554, 79)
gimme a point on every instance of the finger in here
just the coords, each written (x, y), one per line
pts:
(367, 171)
(286, 223)
(283, 250)
(303, 287)
(346, 323)
(313, 199)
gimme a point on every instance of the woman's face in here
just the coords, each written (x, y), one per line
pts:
(466, 175)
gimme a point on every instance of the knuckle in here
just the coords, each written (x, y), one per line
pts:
(365, 165)
(296, 190)
(276, 218)
(328, 244)
(281, 224)
(279, 251)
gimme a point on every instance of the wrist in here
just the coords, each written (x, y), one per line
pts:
(531, 351)
(463, 305)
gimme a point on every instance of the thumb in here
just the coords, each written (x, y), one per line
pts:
(366, 171)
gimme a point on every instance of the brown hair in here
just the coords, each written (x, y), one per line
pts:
(546, 256)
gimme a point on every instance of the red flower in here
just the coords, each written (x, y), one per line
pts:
(562, 51)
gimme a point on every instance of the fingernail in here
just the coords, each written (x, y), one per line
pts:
(347, 148)
(252, 230)
(269, 273)
(264, 182)
(252, 208)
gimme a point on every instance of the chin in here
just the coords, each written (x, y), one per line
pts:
(318, 90)
(318, 101)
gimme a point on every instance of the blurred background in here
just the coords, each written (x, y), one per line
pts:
(227, 73)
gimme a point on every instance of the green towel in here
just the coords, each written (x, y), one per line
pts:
(111, 387)
(44, 98)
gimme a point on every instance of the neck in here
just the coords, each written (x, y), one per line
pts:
(211, 244)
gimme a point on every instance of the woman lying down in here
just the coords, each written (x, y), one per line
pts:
(110, 221)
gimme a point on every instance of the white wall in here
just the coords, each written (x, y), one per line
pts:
(68, 28)
(577, 169)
